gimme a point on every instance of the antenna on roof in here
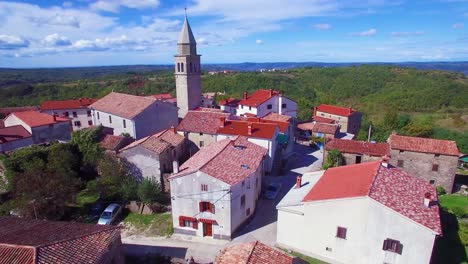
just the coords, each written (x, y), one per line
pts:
(185, 11)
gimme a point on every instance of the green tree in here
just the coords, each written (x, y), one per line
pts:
(87, 141)
(334, 159)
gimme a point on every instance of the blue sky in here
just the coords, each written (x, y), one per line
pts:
(57, 33)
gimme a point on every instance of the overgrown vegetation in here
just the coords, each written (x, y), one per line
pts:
(334, 159)
(159, 224)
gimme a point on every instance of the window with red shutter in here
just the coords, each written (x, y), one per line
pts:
(341, 232)
(393, 246)
(181, 221)
(195, 225)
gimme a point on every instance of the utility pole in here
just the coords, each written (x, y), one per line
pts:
(369, 134)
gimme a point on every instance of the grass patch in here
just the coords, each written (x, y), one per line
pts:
(86, 197)
(152, 224)
(456, 204)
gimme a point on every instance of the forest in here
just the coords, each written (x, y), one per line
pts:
(428, 103)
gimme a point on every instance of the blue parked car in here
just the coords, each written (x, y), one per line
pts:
(110, 214)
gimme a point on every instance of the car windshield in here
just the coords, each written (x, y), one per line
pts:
(271, 188)
(106, 215)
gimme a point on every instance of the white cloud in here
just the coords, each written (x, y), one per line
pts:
(57, 20)
(458, 25)
(8, 42)
(322, 26)
(407, 34)
(367, 33)
(259, 42)
(115, 5)
(56, 40)
(67, 4)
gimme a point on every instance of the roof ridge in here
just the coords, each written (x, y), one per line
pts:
(109, 228)
(251, 252)
(373, 180)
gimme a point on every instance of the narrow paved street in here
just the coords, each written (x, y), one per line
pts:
(262, 227)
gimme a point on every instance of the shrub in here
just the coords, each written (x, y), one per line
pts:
(440, 190)
(459, 211)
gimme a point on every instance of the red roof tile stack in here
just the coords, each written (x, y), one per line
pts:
(67, 104)
(35, 118)
(390, 186)
(319, 127)
(253, 253)
(123, 105)
(359, 147)
(335, 110)
(424, 145)
(201, 122)
(258, 97)
(54, 242)
(230, 161)
(13, 133)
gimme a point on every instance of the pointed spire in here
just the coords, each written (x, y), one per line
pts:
(186, 35)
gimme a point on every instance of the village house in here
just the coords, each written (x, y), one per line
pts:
(261, 103)
(433, 160)
(216, 191)
(14, 137)
(348, 118)
(200, 128)
(318, 130)
(355, 152)
(77, 110)
(255, 253)
(5, 111)
(371, 212)
(40, 241)
(229, 105)
(135, 116)
(112, 144)
(154, 155)
(43, 127)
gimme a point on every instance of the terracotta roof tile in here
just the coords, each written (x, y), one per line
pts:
(228, 160)
(277, 117)
(9, 110)
(425, 145)
(2, 124)
(319, 127)
(171, 136)
(13, 133)
(335, 110)
(67, 104)
(16, 254)
(320, 119)
(35, 118)
(201, 122)
(359, 147)
(123, 105)
(231, 102)
(241, 128)
(163, 96)
(253, 253)
(114, 143)
(158, 142)
(283, 126)
(390, 186)
(258, 97)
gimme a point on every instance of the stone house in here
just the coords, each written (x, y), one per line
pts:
(77, 110)
(318, 130)
(14, 137)
(348, 118)
(40, 241)
(43, 127)
(112, 144)
(154, 155)
(355, 152)
(216, 191)
(371, 212)
(433, 160)
(136, 116)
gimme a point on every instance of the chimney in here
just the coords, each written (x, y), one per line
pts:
(271, 92)
(175, 166)
(298, 182)
(174, 129)
(55, 117)
(315, 110)
(245, 95)
(249, 128)
(427, 199)
(385, 161)
(223, 121)
(231, 142)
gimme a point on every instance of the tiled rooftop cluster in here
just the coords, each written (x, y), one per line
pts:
(335, 110)
(253, 253)
(67, 104)
(359, 147)
(159, 142)
(424, 145)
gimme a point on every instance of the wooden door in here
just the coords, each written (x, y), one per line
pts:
(207, 229)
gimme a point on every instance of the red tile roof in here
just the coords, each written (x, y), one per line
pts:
(201, 122)
(319, 127)
(283, 126)
(13, 133)
(391, 187)
(231, 102)
(9, 110)
(258, 97)
(335, 110)
(238, 127)
(123, 105)
(2, 124)
(115, 143)
(277, 117)
(54, 242)
(359, 147)
(35, 118)
(67, 104)
(424, 145)
(206, 109)
(162, 96)
(320, 119)
(159, 142)
(230, 161)
(253, 253)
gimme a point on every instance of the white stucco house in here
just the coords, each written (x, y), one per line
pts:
(77, 110)
(261, 103)
(361, 213)
(215, 191)
(133, 115)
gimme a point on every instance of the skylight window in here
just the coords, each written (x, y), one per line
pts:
(245, 167)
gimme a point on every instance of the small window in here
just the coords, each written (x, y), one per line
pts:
(392, 246)
(402, 151)
(124, 123)
(436, 155)
(65, 114)
(191, 67)
(341, 232)
(283, 106)
(201, 144)
(247, 212)
(243, 184)
(207, 207)
(77, 123)
(432, 182)
(201, 134)
(178, 67)
(88, 113)
(97, 115)
(110, 119)
(250, 108)
(269, 106)
(242, 200)
(204, 187)
(248, 184)
(256, 182)
(400, 163)
(182, 67)
(188, 223)
(75, 114)
(435, 167)
(90, 123)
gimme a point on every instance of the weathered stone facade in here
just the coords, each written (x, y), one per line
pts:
(350, 124)
(437, 169)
